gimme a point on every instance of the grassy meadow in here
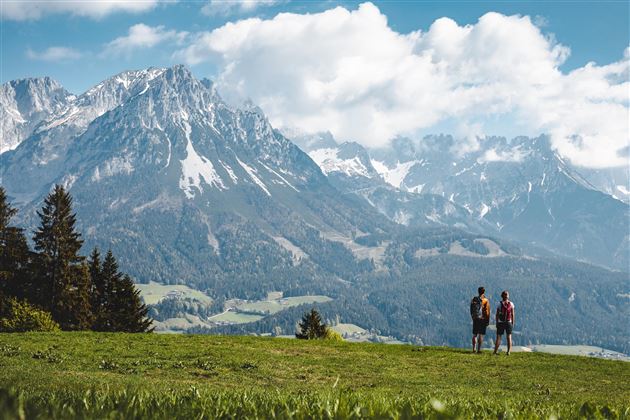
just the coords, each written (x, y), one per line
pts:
(101, 375)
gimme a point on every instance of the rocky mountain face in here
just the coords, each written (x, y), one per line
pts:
(45, 153)
(612, 181)
(518, 189)
(24, 104)
(351, 170)
(186, 188)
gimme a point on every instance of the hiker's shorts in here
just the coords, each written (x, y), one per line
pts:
(479, 326)
(504, 327)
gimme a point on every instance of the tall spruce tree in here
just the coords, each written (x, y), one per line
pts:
(123, 309)
(64, 278)
(76, 308)
(14, 254)
(129, 313)
(107, 283)
(98, 291)
(311, 327)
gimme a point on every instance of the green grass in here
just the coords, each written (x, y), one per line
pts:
(349, 329)
(153, 292)
(235, 317)
(274, 306)
(96, 375)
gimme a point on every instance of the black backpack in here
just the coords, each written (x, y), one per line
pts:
(476, 308)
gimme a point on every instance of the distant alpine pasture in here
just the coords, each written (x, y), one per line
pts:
(188, 190)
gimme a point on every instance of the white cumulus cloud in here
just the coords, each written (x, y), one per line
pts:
(36, 9)
(349, 72)
(142, 36)
(230, 7)
(54, 54)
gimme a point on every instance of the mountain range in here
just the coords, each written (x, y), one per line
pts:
(519, 189)
(188, 189)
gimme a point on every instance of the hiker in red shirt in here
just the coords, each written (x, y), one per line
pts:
(505, 321)
(480, 314)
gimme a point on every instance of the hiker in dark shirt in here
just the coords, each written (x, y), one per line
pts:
(505, 321)
(480, 314)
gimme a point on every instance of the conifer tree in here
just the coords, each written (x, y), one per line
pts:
(107, 282)
(14, 254)
(129, 313)
(98, 291)
(75, 311)
(95, 264)
(311, 327)
(64, 278)
(123, 309)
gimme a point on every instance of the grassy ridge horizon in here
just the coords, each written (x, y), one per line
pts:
(95, 375)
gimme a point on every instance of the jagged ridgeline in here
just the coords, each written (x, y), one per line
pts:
(188, 189)
(518, 188)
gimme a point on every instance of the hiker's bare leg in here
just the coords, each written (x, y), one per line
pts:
(497, 344)
(474, 341)
(509, 343)
(479, 342)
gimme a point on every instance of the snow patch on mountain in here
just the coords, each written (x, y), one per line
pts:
(196, 167)
(230, 172)
(66, 116)
(396, 175)
(380, 167)
(252, 174)
(483, 210)
(282, 179)
(328, 161)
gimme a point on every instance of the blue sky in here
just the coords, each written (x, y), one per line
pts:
(366, 72)
(594, 30)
